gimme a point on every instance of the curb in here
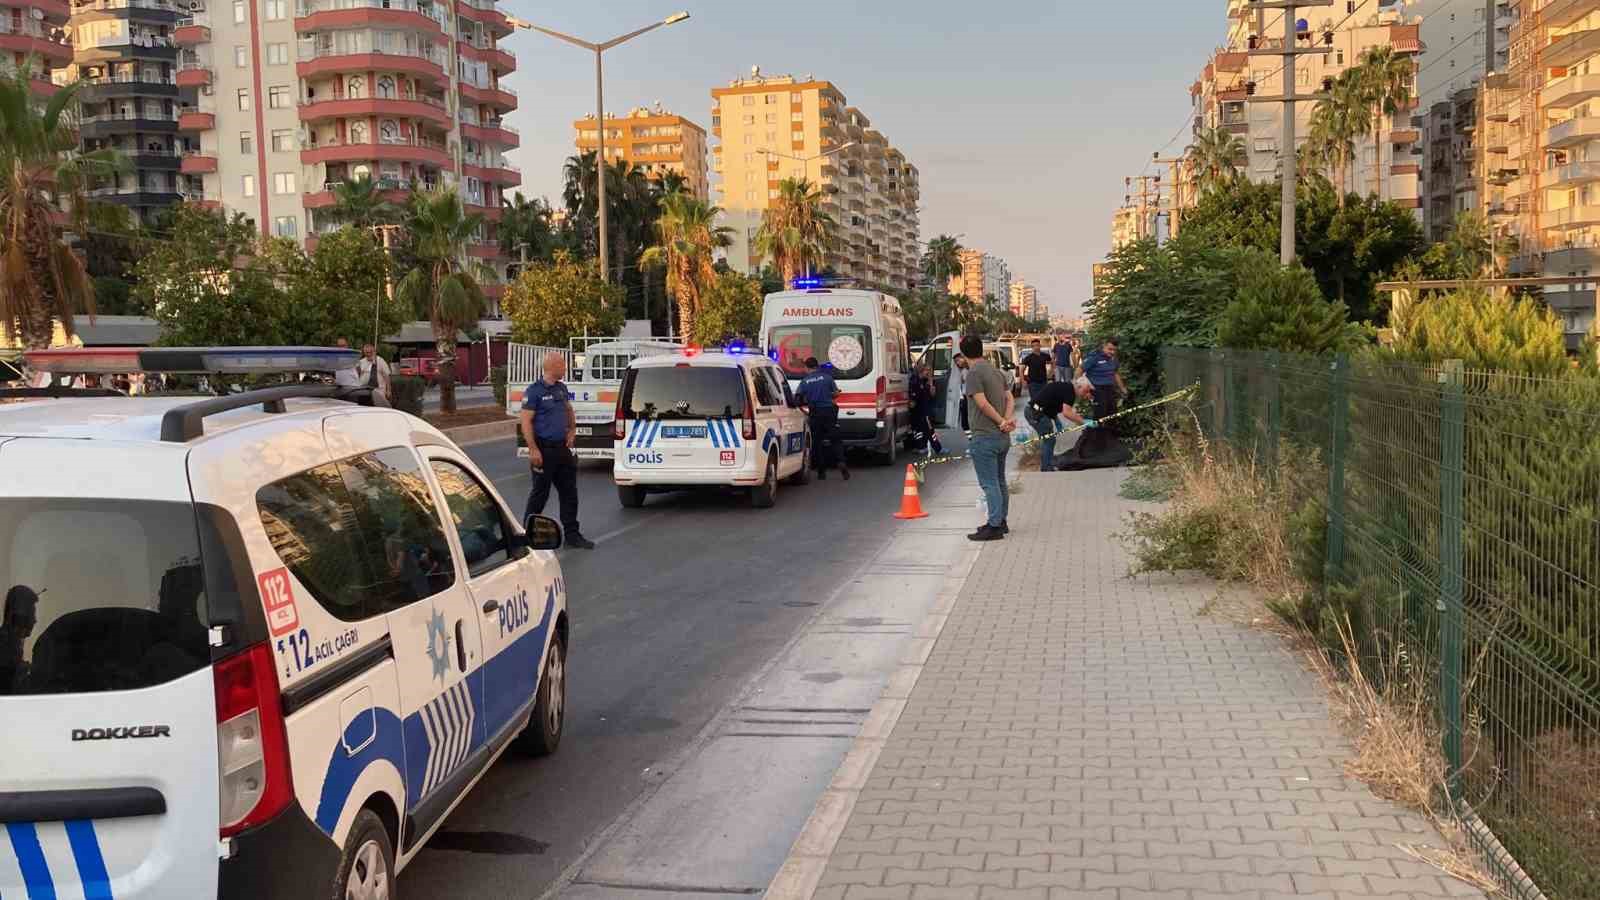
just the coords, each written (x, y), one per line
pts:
(797, 879)
(478, 434)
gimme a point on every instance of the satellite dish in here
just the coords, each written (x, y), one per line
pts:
(36, 12)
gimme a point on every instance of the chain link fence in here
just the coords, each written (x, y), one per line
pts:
(1458, 514)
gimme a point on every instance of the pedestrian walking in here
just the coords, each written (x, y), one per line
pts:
(372, 371)
(922, 397)
(549, 428)
(1103, 370)
(818, 394)
(992, 419)
(1062, 351)
(346, 377)
(1055, 401)
(1036, 365)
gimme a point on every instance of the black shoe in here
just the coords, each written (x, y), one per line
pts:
(579, 542)
(844, 472)
(1004, 528)
(986, 533)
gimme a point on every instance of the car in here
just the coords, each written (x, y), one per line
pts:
(939, 357)
(263, 643)
(426, 367)
(708, 418)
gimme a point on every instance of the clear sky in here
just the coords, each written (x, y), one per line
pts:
(1023, 115)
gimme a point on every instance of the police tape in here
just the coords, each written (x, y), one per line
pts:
(1039, 439)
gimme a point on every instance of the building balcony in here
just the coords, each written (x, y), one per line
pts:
(30, 37)
(484, 13)
(1564, 13)
(314, 15)
(484, 250)
(1570, 49)
(198, 163)
(1405, 136)
(201, 199)
(106, 124)
(193, 75)
(1570, 91)
(498, 133)
(137, 195)
(160, 11)
(1574, 174)
(192, 30)
(347, 107)
(499, 60)
(419, 150)
(503, 173)
(1580, 216)
(56, 12)
(196, 120)
(113, 49)
(498, 98)
(1572, 132)
(1568, 297)
(325, 198)
(325, 61)
(106, 87)
(489, 213)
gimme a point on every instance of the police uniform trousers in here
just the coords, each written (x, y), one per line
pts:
(560, 471)
(824, 437)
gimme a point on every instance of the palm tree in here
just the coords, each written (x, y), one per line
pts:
(689, 236)
(527, 222)
(1385, 85)
(361, 203)
(1335, 123)
(795, 232)
(1215, 156)
(942, 261)
(443, 286)
(42, 281)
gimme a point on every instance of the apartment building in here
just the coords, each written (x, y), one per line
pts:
(983, 275)
(1025, 301)
(655, 140)
(1450, 182)
(1127, 226)
(293, 97)
(772, 127)
(125, 52)
(36, 28)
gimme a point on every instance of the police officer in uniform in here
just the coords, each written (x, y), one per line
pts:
(549, 427)
(817, 392)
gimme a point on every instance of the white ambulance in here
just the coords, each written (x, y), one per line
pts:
(861, 335)
(257, 645)
(712, 418)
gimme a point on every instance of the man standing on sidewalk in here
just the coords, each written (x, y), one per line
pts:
(1036, 369)
(1062, 352)
(549, 427)
(990, 411)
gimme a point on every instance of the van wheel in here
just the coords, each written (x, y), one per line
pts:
(888, 455)
(803, 476)
(542, 735)
(765, 494)
(366, 867)
(631, 495)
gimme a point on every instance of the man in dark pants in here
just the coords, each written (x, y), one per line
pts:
(1036, 369)
(549, 426)
(1054, 399)
(1102, 369)
(817, 392)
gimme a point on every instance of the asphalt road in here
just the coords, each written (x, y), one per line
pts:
(678, 608)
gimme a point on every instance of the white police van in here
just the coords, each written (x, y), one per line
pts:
(256, 645)
(708, 418)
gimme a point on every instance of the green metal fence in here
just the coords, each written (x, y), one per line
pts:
(1462, 540)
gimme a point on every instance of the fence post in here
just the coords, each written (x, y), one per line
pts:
(1452, 449)
(1338, 448)
(1216, 392)
(1274, 399)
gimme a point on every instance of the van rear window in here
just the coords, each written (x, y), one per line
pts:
(848, 348)
(99, 595)
(684, 392)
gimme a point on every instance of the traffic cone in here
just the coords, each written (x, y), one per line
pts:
(910, 500)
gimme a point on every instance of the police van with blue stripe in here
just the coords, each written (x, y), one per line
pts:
(708, 418)
(255, 645)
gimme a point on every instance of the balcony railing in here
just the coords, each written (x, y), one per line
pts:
(128, 79)
(1575, 173)
(341, 95)
(124, 190)
(432, 11)
(30, 28)
(200, 18)
(499, 124)
(126, 4)
(151, 116)
(400, 141)
(307, 52)
(486, 164)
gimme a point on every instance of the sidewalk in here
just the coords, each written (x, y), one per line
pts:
(1078, 733)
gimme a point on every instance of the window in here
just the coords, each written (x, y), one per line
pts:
(282, 140)
(359, 133)
(480, 523)
(771, 99)
(772, 136)
(772, 118)
(362, 534)
(697, 392)
(275, 10)
(247, 143)
(749, 120)
(749, 139)
(277, 54)
(244, 99)
(238, 13)
(283, 182)
(797, 117)
(241, 57)
(249, 185)
(749, 100)
(278, 96)
(286, 226)
(837, 344)
(750, 196)
(137, 621)
(767, 393)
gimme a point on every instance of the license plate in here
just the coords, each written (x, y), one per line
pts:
(683, 431)
(583, 431)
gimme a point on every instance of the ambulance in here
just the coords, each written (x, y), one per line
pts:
(861, 336)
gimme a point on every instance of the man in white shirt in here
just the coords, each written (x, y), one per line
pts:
(346, 377)
(372, 371)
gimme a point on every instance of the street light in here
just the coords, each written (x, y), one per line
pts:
(600, 103)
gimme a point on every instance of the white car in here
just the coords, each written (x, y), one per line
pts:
(708, 418)
(256, 645)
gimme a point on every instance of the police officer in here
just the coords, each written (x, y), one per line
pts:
(549, 427)
(817, 392)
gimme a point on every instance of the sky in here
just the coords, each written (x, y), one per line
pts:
(1023, 116)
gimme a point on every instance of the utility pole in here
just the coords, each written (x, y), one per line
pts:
(1144, 195)
(386, 233)
(1488, 36)
(1175, 211)
(1288, 169)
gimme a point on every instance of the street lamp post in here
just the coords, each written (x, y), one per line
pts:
(600, 107)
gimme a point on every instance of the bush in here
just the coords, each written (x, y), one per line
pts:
(1281, 308)
(497, 378)
(405, 393)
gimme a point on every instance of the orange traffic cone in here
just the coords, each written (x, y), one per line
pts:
(911, 501)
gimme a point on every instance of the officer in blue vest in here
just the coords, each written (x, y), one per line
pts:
(549, 428)
(817, 395)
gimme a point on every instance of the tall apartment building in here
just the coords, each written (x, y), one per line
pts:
(1127, 226)
(772, 127)
(293, 97)
(654, 140)
(36, 28)
(983, 275)
(1025, 301)
(1450, 176)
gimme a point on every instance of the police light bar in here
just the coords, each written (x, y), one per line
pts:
(191, 360)
(808, 284)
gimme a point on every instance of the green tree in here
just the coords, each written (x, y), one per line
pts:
(42, 282)
(688, 237)
(208, 285)
(360, 202)
(941, 261)
(529, 224)
(1280, 307)
(1484, 329)
(729, 308)
(1385, 83)
(1214, 157)
(340, 291)
(771, 279)
(443, 286)
(1336, 122)
(1471, 250)
(552, 302)
(795, 232)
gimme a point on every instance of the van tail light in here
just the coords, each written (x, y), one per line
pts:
(883, 395)
(749, 418)
(619, 426)
(252, 741)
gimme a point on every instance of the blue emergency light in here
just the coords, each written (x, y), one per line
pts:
(191, 360)
(809, 283)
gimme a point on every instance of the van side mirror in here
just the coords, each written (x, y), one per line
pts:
(543, 533)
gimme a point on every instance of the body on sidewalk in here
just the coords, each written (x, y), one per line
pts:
(1055, 400)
